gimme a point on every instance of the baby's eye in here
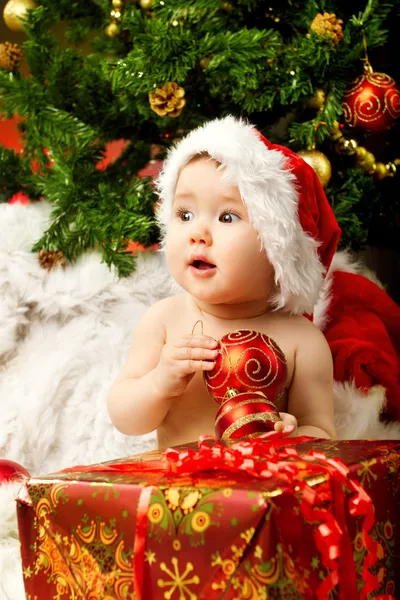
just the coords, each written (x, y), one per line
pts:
(229, 217)
(184, 215)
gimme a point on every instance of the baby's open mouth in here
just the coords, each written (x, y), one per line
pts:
(202, 265)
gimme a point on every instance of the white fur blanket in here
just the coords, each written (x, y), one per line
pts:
(64, 336)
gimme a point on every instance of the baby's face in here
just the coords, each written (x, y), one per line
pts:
(212, 250)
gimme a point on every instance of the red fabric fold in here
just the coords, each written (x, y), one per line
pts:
(363, 333)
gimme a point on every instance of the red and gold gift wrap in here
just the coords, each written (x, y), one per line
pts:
(258, 519)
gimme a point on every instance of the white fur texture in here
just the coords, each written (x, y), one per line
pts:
(64, 336)
(342, 261)
(269, 191)
(356, 414)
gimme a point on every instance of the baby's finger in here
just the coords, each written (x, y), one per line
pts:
(288, 419)
(195, 366)
(197, 341)
(189, 353)
(282, 426)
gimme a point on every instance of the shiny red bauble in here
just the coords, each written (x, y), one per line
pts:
(11, 471)
(245, 415)
(372, 103)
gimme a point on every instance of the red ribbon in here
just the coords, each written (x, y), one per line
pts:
(140, 540)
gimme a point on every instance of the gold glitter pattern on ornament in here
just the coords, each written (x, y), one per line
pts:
(239, 404)
(370, 97)
(242, 421)
(248, 361)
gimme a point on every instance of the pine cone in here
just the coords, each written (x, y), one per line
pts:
(168, 100)
(10, 56)
(328, 26)
(48, 259)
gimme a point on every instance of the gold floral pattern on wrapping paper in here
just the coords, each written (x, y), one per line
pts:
(278, 569)
(75, 562)
(176, 512)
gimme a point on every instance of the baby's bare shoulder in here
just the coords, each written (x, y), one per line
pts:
(299, 327)
(162, 308)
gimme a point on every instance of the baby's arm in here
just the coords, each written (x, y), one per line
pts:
(135, 404)
(311, 390)
(156, 372)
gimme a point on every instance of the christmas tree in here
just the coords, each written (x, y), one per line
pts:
(153, 70)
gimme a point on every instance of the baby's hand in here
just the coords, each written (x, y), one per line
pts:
(288, 421)
(181, 359)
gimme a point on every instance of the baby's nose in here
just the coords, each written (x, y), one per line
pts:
(201, 235)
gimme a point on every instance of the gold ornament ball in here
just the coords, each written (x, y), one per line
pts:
(146, 4)
(368, 162)
(317, 100)
(112, 30)
(320, 163)
(118, 4)
(14, 11)
(380, 171)
(361, 153)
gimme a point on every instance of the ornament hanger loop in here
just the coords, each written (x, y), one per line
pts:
(194, 327)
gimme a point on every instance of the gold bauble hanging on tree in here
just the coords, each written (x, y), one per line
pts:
(320, 163)
(112, 30)
(14, 11)
(146, 4)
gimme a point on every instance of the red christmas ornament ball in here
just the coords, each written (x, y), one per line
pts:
(11, 471)
(372, 103)
(248, 377)
(248, 361)
(245, 415)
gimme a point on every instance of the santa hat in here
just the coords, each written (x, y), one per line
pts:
(284, 198)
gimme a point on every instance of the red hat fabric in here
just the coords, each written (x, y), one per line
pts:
(284, 199)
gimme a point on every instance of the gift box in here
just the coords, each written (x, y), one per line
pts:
(266, 518)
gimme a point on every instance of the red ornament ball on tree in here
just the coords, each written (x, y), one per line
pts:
(11, 471)
(372, 103)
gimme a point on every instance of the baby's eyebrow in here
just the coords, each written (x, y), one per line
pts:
(235, 199)
(184, 195)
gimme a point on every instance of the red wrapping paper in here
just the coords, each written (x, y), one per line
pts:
(253, 520)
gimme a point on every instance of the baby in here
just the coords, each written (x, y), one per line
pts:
(248, 235)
